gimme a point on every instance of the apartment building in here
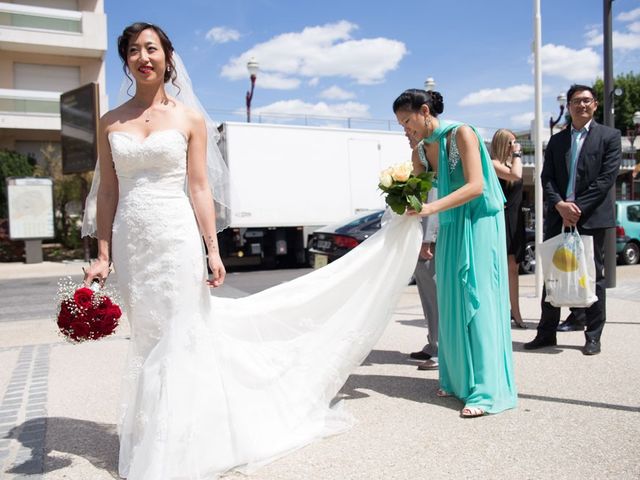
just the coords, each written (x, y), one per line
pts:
(46, 47)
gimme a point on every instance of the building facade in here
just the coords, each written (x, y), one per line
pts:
(46, 47)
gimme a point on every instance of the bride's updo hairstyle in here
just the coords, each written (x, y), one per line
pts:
(131, 32)
(413, 99)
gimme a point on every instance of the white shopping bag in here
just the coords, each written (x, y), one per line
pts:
(568, 269)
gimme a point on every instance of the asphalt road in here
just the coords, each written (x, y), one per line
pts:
(35, 298)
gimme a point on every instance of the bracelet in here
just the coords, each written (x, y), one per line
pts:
(516, 155)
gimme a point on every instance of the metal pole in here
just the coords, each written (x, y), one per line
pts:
(609, 120)
(537, 44)
(552, 122)
(249, 96)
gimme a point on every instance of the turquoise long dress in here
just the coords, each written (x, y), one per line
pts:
(473, 289)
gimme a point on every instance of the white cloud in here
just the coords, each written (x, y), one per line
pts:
(298, 108)
(322, 51)
(336, 93)
(275, 81)
(314, 82)
(568, 63)
(517, 93)
(629, 40)
(522, 119)
(222, 35)
(629, 16)
(626, 40)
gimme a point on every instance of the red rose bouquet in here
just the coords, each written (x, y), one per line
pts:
(86, 313)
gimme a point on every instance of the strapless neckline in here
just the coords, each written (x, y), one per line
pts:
(141, 140)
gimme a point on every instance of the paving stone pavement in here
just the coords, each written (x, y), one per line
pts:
(578, 417)
(23, 412)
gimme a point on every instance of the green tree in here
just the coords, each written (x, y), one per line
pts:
(12, 164)
(625, 105)
(67, 190)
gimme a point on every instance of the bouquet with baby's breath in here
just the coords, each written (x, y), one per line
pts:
(403, 188)
(85, 313)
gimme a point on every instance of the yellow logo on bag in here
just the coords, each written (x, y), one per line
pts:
(565, 260)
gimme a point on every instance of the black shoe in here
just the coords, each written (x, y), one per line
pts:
(540, 342)
(570, 325)
(420, 355)
(592, 347)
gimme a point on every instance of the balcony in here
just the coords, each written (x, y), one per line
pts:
(29, 109)
(24, 28)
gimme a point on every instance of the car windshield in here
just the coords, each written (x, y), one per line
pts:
(355, 223)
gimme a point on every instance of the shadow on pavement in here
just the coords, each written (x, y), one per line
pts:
(418, 322)
(584, 403)
(519, 347)
(95, 442)
(421, 390)
(388, 357)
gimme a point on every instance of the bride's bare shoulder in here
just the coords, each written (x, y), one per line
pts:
(118, 115)
(190, 113)
(193, 117)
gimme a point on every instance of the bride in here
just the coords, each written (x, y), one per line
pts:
(216, 384)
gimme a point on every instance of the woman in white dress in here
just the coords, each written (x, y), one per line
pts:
(215, 384)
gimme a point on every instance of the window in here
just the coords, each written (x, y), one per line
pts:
(633, 213)
(53, 15)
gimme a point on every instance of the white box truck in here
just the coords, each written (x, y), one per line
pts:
(290, 180)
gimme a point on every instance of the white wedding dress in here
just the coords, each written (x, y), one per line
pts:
(218, 384)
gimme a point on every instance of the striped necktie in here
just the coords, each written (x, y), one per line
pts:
(576, 135)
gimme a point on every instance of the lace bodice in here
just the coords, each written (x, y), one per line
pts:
(159, 160)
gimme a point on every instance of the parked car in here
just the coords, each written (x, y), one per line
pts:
(628, 231)
(333, 241)
(528, 264)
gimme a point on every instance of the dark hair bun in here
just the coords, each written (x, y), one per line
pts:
(437, 102)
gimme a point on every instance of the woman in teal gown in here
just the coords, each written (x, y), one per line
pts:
(471, 266)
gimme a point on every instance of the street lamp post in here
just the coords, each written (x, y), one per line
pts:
(610, 256)
(632, 133)
(562, 101)
(252, 67)
(429, 84)
(632, 138)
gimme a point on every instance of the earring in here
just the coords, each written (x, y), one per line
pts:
(168, 68)
(427, 122)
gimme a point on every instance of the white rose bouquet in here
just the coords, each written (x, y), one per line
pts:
(404, 189)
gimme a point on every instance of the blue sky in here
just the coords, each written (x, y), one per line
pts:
(352, 58)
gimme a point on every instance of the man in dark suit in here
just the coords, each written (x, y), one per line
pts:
(581, 164)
